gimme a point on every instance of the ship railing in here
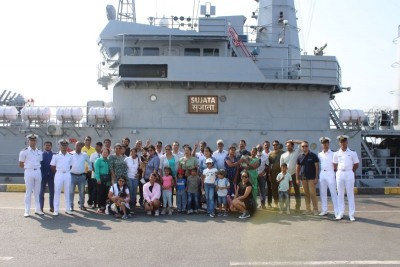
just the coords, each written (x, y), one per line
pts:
(388, 166)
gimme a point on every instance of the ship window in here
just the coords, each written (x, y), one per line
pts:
(192, 52)
(132, 51)
(114, 51)
(143, 70)
(211, 52)
(151, 51)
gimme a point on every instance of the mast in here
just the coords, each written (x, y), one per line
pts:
(126, 11)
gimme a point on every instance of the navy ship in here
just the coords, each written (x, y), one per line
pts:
(210, 77)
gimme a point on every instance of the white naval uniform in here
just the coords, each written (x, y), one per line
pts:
(327, 180)
(62, 178)
(345, 161)
(32, 176)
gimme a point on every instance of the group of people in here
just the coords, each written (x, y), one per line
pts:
(233, 178)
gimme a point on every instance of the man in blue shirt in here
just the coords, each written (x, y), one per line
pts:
(47, 176)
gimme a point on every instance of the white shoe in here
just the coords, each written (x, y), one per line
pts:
(338, 218)
(149, 213)
(69, 212)
(26, 215)
(55, 213)
(323, 213)
(163, 211)
(352, 219)
(39, 213)
(157, 213)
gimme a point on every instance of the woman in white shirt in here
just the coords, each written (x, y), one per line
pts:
(133, 164)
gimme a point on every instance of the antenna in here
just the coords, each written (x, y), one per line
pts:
(126, 11)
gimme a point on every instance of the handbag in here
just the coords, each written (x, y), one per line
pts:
(105, 178)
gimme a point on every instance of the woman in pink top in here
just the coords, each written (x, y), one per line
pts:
(167, 184)
(151, 194)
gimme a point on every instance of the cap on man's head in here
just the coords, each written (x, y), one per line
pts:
(117, 144)
(342, 137)
(324, 139)
(32, 136)
(63, 142)
(220, 141)
(209, 160)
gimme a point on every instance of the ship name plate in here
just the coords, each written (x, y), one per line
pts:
(201, 104)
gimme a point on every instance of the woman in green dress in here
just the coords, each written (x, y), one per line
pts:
(251, 164)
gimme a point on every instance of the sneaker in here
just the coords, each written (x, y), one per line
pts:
(280, 212)
(39, 212)
(225, 214)
(157, 213)
(352, 219)
(125, 217)
(315, 212)
(163, 211)
(190, 211)
(149, 213)
(323, 213)
(212, 215)
(288, 212)
(244, 215)
(26, 215)
(219, 214)
(170, 212)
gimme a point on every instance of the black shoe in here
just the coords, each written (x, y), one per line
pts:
(51, 209)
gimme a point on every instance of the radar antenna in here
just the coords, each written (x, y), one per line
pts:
(126, 11)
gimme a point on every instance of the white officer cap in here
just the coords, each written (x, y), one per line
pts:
(323, 139)
(63, 142)
(342, 137)
(32, 136)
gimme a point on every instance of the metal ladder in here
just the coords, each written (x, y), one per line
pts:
(239, 43)
(333, 108)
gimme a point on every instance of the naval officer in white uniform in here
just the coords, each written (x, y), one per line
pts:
(30, 159)
(345, 163)
(61, 164)
(327, 177)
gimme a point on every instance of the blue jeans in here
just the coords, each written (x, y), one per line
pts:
(79, 181)
(284, 199)
(209, 189)
(193, 197)
(167, 198)
(181, 200)
(261, 184)
(133, 185)
(47, 179)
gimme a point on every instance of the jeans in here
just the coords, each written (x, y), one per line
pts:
(47, 180)
(167, 198)
(181, 200)
(296, 188)
(222, 200)
(284, 200)
(209, 189)
(261, 183)
(77, 180)
(193, 197)
(133, 185)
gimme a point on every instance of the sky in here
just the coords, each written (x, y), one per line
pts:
(50, 53)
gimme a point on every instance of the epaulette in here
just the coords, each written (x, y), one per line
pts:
(25, 148)
(351, 149)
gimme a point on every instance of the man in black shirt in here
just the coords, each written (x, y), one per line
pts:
(307, 170)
